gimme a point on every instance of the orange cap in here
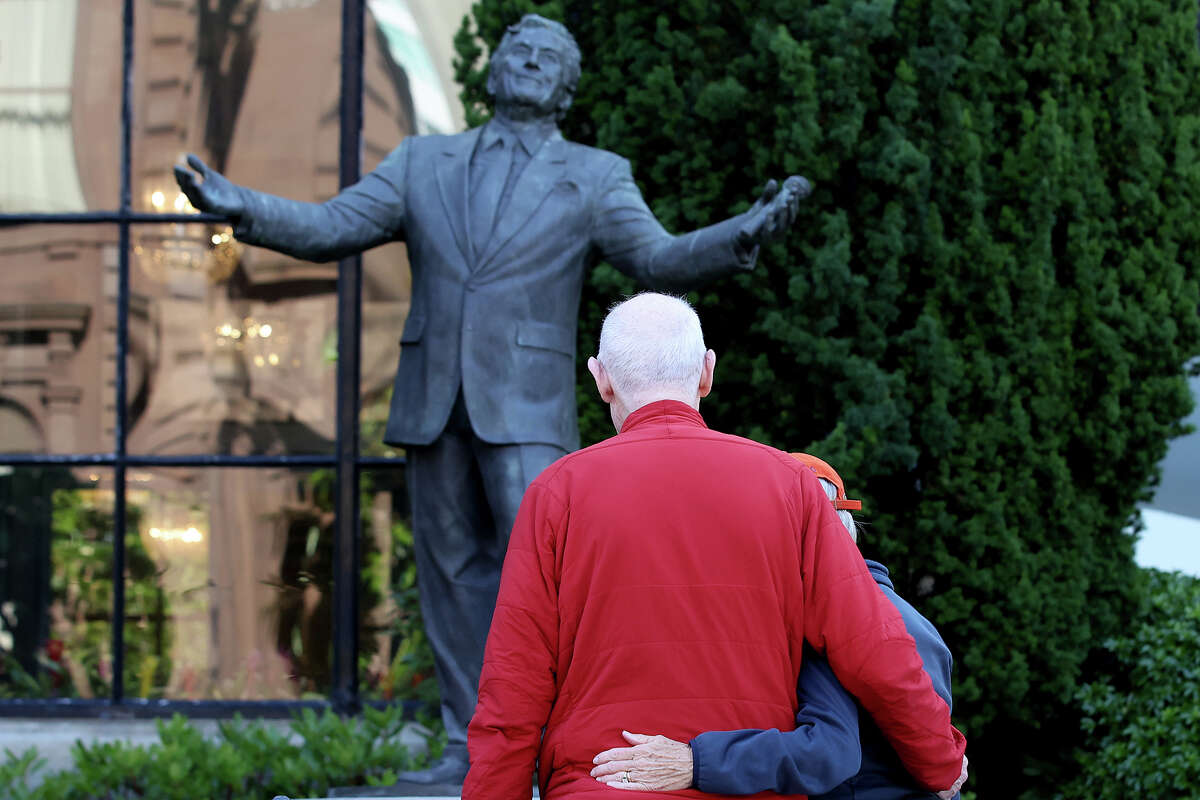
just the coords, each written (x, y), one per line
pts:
(823, 470)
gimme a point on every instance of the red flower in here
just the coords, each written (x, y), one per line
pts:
(54, 649)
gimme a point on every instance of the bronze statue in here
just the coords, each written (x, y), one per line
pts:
(501, 222)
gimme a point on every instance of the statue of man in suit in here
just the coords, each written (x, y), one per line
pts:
(501, 223)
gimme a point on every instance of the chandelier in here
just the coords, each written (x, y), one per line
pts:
(187, 247)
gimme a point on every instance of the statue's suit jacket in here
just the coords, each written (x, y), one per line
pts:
(499, 322)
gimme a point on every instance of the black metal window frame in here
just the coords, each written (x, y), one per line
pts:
(345, 460)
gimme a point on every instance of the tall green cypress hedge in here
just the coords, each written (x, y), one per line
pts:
(984, 312)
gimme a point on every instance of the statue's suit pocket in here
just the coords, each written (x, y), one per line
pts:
(413, 329)
(565, 198)
(546, 336)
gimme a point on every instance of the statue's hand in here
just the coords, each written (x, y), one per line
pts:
(216, 195)
(774, 211)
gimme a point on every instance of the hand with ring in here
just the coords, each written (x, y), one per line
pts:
(652, 764)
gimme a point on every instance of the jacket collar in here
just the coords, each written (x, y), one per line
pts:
(662, 412)
(531, 135)
(880, 573)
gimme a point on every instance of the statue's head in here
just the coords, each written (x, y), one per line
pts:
(535, 68)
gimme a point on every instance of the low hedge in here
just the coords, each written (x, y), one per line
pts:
(1142, 719)
(248, 759)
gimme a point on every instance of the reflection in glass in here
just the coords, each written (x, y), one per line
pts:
(60, 96)
(243, 576)
(408, 46)
(56, 582)
(58, 342)
(389, 114)
(382, 320)
(251, 86)
(395, 662)
(222, 79)
(233, 366)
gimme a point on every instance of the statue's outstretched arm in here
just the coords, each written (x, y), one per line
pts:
(774, 211)
(627, 234)
(369, 213)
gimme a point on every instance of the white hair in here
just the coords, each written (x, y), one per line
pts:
(845, 516)
(652, 347)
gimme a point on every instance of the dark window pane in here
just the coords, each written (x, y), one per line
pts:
(56, 582)
(233, 600)
(419, 37)
(234, 366)
(388, 116)
(60, 102)
(58, 343)
(395, 662)
(387, 289)
(222, 80)
(251, 87)
(405, 91)
(416, 38)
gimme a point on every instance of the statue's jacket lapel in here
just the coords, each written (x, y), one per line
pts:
(538, 181)
(452, 168)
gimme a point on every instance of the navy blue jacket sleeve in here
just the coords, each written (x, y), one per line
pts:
(822, 752)
(934, 653)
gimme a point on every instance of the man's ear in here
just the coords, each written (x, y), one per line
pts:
(490, 85)
(603, 384)
(565, 102)
(706, 374)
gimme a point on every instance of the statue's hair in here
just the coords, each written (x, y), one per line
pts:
(845, 516)
(572, 68)
(652, 347)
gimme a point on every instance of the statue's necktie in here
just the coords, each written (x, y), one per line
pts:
(490, 172)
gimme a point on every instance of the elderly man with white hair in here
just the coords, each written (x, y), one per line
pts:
(668, 579)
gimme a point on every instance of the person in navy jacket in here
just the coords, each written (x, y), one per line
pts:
(836, 750)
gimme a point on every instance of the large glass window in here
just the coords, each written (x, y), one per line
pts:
(249, 86)
(196, 504)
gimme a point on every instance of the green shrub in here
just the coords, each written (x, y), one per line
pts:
(246, 760)
(1144, 721)
(983, 313)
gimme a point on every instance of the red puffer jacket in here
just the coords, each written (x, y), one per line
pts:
(664, 581)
